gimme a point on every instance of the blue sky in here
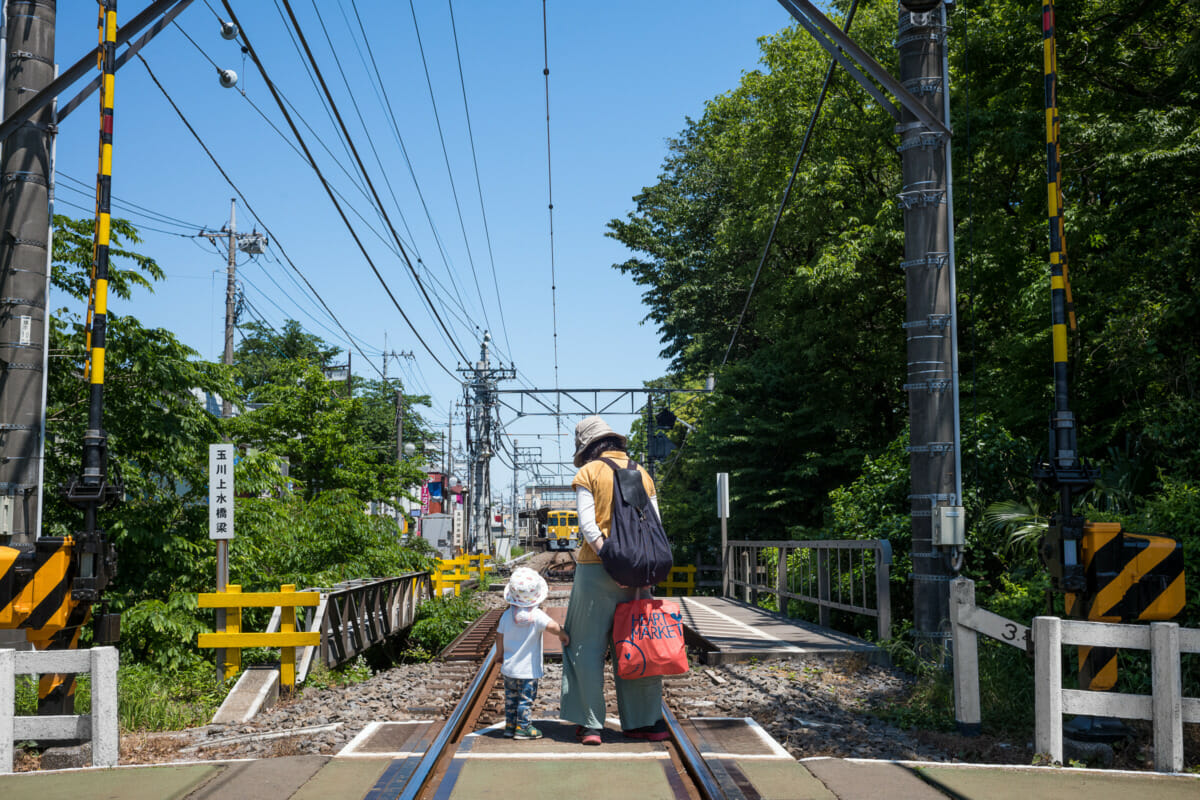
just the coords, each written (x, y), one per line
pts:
(623, 78)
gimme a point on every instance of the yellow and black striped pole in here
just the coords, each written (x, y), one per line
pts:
(56, 692)
(1097, 665)
(98, 300)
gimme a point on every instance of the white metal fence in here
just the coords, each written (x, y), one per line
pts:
(100, 726)
(1165, 707)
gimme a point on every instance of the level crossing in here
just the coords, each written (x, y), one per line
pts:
(735, 755)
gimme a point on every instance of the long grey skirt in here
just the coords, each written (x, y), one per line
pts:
(594, 598)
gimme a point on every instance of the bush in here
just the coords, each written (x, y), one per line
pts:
(148, 699)
(439, 621)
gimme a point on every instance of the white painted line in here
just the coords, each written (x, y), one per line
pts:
(381, 754)
(768, 739)
(754, 632)
(366, 733)
(578, 755)
(357, 741)
(9, 776)
(777, 750)
(1018, 767)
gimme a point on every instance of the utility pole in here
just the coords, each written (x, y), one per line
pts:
(513, 532)
(481, 382)
(930, 323)
(399, 425)
(250, 243)
(26, 175)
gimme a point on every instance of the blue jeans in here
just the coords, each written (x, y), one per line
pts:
(519, 694)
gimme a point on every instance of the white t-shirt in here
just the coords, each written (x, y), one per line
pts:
(522, 644)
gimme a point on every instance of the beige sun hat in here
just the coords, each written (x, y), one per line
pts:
(589, 430)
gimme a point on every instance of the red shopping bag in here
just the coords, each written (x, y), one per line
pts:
(648, 639)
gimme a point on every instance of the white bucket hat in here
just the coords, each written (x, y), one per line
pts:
(589, 430)
(525, 588)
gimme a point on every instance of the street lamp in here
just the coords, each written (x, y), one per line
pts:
(409, 449)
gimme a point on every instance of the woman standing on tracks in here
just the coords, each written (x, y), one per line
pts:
(594, 598)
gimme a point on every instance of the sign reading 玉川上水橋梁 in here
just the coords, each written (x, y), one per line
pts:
(220, 491)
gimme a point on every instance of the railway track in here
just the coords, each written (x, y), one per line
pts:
(481, 707)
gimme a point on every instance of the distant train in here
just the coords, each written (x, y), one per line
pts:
(561, 529)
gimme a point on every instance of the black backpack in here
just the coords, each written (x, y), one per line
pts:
(636, 552)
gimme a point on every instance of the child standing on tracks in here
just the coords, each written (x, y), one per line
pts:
(519, 641)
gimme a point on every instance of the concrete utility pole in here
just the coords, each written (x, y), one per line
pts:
(251, 243)
(481, 383)
(930, 323)
(26, 174)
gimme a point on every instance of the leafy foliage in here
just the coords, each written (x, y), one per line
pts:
(158, 436)
(439, 622)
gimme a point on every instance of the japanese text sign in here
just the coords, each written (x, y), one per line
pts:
(220, 491)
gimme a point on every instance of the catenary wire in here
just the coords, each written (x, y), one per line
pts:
(787, 192)
(478, 181)
(550, 208)
(395, 127)
(295, 132)
(358, 113)
(449, 172)
(362, 168)
(234, 186)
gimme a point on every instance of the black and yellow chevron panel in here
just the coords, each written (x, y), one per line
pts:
(1131, 577)
(35, 586)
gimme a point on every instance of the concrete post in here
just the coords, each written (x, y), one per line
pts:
(1167, 682)
(8, 707)
(1047, 687)
(105, 735)
(965, 643)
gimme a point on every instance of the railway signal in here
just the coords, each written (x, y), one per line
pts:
(1106, 573)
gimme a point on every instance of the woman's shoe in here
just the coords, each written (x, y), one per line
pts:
(510, 731)
(649, 733)
(588, 736)
(527, 732)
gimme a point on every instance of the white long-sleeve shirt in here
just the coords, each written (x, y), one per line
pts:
(586, 506)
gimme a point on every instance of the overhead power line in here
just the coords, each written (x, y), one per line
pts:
(446, 157)
(325, 184)
(249, 207)
(478, 182)
(362, 169)
(787, 192)
(550, 206)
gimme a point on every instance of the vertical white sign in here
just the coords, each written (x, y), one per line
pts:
(220, 491)
(723, 495)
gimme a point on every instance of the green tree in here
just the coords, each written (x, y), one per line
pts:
(158, 432)
(263, 353)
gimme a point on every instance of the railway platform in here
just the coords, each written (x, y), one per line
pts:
(742, 758)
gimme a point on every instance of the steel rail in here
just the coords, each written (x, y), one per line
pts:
(693, 762)
(451, 730)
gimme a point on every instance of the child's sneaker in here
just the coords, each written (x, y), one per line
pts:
(510, 731)
(527, 732)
